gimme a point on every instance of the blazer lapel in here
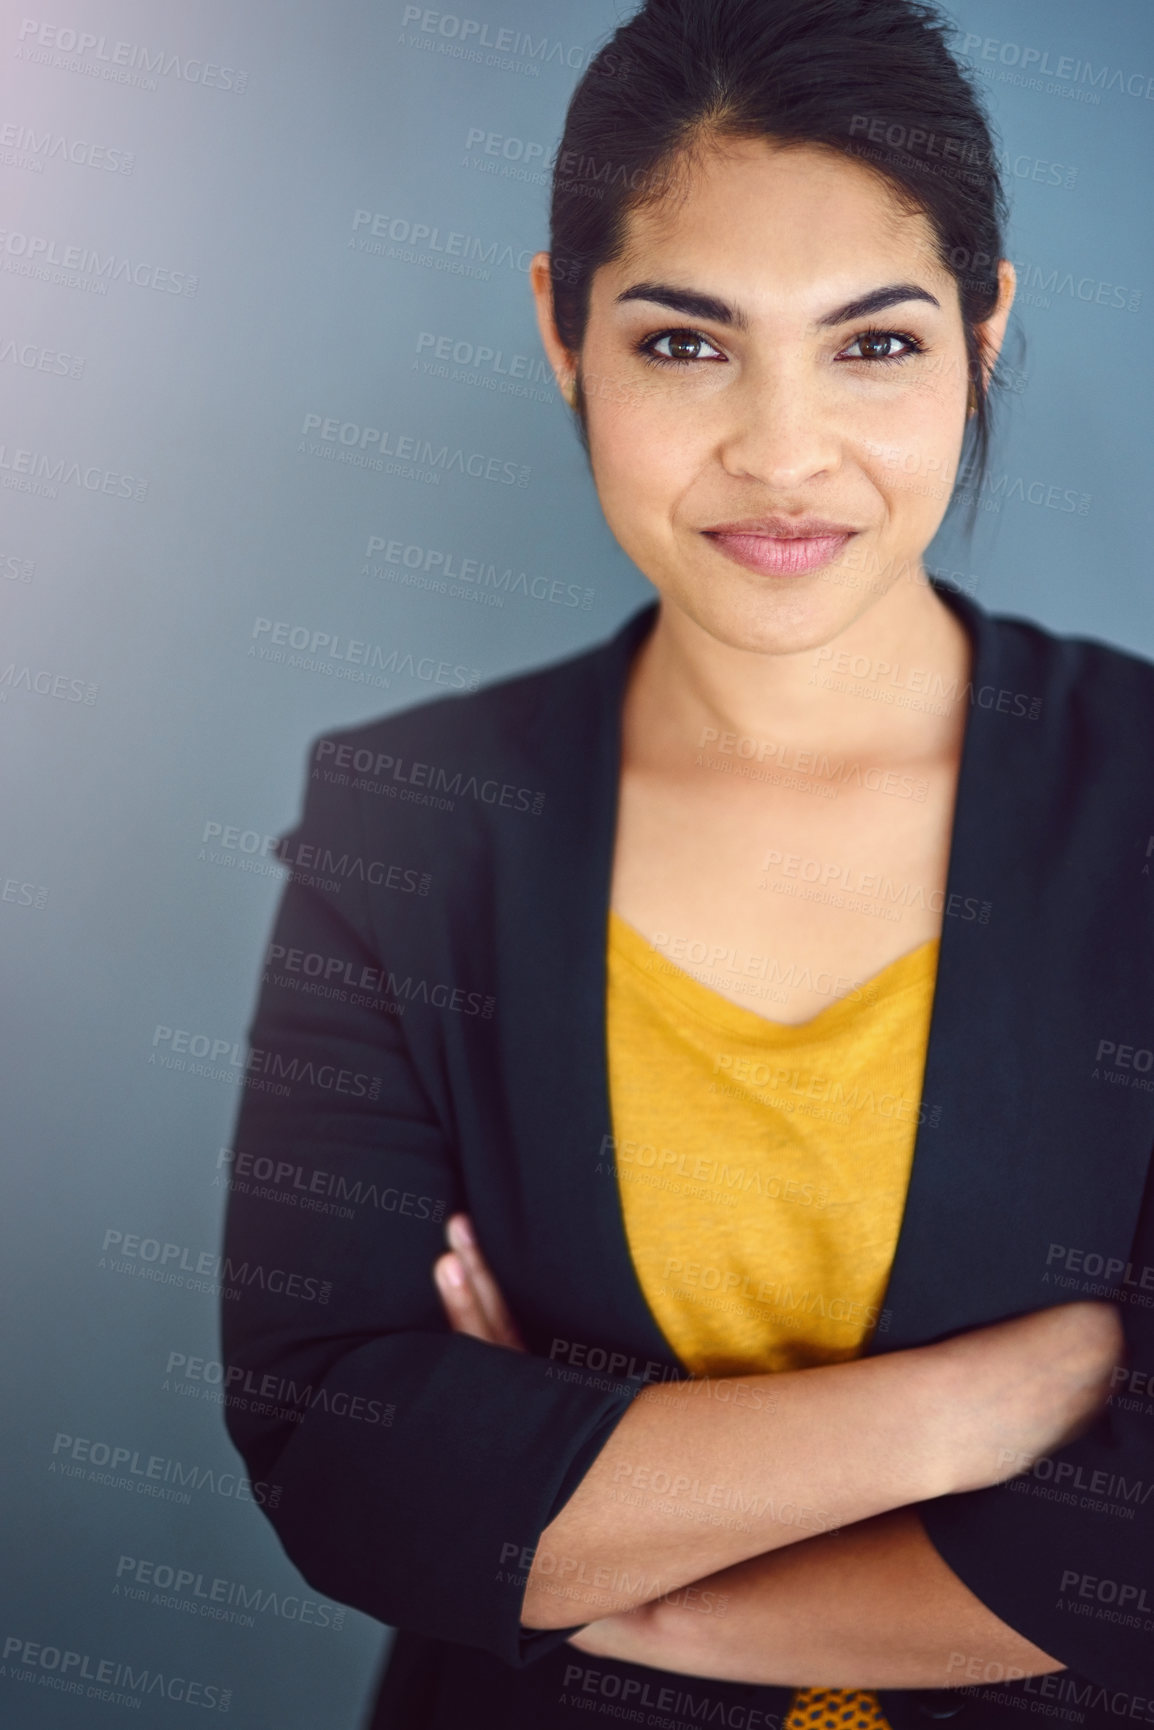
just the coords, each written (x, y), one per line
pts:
(1022, 1155)
(553, 891)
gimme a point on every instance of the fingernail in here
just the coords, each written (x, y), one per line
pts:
(452, 1271)
(459, 1232)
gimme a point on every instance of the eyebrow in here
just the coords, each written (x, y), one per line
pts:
(717, 311)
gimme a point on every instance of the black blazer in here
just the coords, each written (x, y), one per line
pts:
(430, 1036)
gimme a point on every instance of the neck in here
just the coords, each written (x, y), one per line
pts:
(833, 693)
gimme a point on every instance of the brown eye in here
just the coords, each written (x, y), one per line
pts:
(882, 345)
(683, 345)
(679, 345)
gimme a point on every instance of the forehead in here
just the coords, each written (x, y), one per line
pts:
(748, 218)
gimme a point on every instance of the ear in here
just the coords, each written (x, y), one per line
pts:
(992, 331)
(564, 363)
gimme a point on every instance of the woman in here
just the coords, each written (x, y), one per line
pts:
(772, 1287)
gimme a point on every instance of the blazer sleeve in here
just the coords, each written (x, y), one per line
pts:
(407, 1470)
(1064, 1553)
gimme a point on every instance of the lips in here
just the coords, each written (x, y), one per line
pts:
(780, 546)
(782, 528)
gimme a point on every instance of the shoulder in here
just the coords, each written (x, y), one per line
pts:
(1078, 663)
(1083, 680)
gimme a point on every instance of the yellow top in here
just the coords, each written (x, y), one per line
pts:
(762, 1170)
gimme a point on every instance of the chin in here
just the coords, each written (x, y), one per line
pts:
(777, 622)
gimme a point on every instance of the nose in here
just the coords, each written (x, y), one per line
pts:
(778, 430)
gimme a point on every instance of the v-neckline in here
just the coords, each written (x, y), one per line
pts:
(736, 1017)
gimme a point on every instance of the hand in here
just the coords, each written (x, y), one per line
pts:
(470, 1294)
(474, 1305)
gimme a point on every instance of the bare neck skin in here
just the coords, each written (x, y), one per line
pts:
(724, 850)
(683, 681)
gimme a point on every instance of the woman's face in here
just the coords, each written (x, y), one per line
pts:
(775, 378)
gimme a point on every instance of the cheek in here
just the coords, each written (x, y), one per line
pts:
(644, 451)
(910, 449)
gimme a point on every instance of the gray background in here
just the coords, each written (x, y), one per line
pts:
(135, 720)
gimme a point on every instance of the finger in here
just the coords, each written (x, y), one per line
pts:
(459, 1230)
(460, 1300)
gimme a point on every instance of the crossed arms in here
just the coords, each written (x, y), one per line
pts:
(854, 1597)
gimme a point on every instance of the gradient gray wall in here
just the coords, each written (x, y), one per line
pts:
(237, 244)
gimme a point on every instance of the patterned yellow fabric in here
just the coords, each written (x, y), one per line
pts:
(835, 1709)
(762, 1170)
